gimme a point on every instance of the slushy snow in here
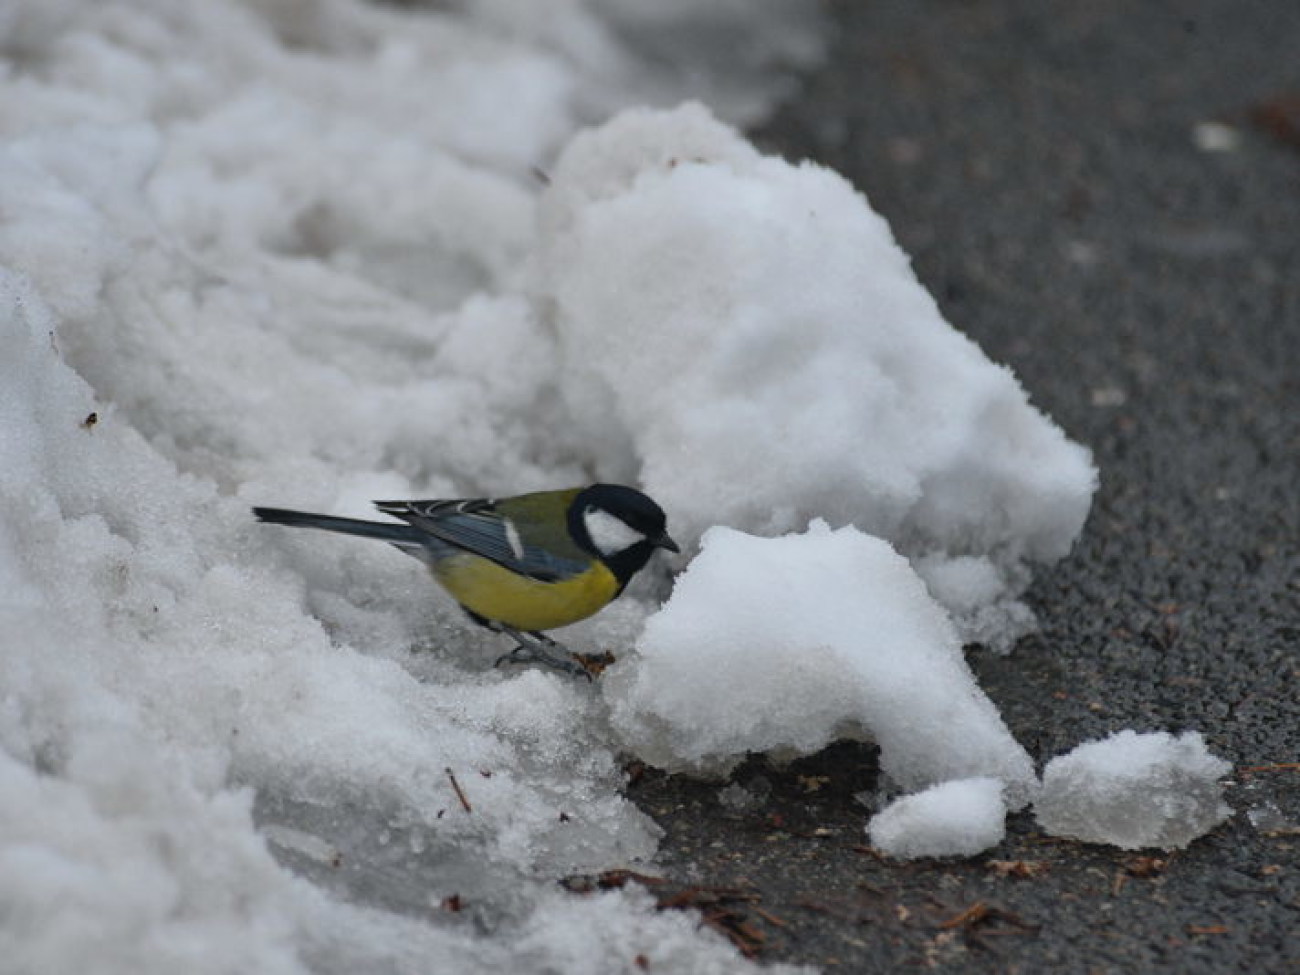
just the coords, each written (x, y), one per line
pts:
(963, 817)
(786, 644)
(1135, 790)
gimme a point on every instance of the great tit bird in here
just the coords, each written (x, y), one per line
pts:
(524, 564)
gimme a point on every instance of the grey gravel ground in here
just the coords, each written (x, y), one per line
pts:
(1038, 161)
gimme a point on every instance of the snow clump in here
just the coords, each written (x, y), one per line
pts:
(786, 644)
(1135, 790)
(963, 817)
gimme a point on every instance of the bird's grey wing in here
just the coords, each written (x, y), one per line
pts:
(476, 526)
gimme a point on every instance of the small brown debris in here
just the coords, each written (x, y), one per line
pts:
(1140, 866)
(585, 883)
(564, 817)
(594, 664)
(1280, 831)
(641, 962)
(812, 783)
(870, 851)
(974, 914)
(1020, 869)
(1279, 117)
(982, 920)
(725, 909)
(769, 917)
(695, 895)
(1146, 866)
(91, 419)
(451, 904)
(464, 803)
(619, 878)
(1207, 929)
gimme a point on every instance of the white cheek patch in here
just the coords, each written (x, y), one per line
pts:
(608, 533)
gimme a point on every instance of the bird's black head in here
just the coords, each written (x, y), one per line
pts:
(620, 526)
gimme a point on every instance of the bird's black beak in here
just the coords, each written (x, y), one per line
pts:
(663, 541)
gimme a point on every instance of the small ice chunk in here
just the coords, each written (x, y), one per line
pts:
(1266, 809)
(958, 818)
(1135, 790)
(1269, 818)
(790, 643)
(1216, 137)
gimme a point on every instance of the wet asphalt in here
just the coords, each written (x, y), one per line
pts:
(1106, 197)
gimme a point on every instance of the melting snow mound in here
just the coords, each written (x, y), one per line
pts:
(744, 337)
(1135, 790)
(959, 818)
(789, 643)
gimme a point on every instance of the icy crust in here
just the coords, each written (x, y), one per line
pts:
(745, 337)
(1135, 790)
(963, 817)
(789, 643)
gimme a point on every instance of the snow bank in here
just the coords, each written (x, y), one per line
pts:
(963, 817)
(744, 336)
(1135, 790)
(786, 644)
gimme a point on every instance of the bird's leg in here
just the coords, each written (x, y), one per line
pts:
(538, 648)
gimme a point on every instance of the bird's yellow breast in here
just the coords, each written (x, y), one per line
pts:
(496, 593)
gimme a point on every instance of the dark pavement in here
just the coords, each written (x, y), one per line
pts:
(1039, 162)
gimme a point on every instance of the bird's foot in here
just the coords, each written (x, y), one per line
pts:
(536, 653)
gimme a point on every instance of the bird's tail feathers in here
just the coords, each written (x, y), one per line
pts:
(402, 535)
